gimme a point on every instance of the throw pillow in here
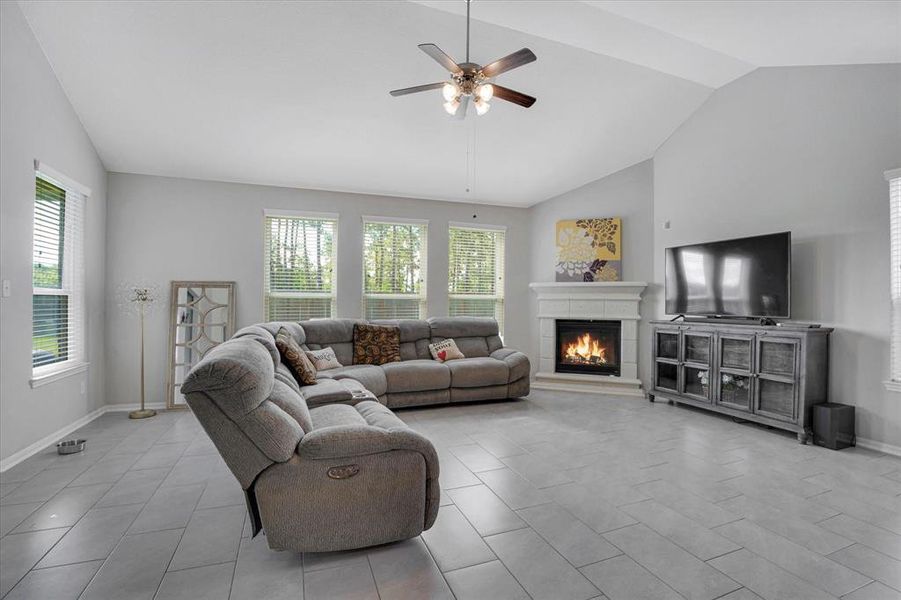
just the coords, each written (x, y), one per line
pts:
(445, 350)
(294, 356)
(323, 359)
(376, 344)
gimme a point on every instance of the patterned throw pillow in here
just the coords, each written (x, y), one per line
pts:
(323, 359)
(294, 356)
(376, 344)
(445, 350)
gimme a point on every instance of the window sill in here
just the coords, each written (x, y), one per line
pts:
(893, 386)
(45, 378)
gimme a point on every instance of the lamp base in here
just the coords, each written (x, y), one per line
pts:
(142, 413)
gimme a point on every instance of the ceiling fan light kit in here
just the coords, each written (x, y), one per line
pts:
(473, 81)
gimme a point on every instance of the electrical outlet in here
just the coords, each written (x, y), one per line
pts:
(7, 289)
(666, 224)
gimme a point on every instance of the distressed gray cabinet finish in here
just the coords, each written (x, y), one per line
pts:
(766, 374)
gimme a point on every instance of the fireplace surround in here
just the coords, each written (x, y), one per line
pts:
(593, 302)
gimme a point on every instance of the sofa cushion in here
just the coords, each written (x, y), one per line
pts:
(291, 402)
(294, 356)
(371, 376)
(326, 391)
(477, 372)
(415, 336)
(416, 375)
(376, 344)
(458, 327)
(336, 415)
(338, 334)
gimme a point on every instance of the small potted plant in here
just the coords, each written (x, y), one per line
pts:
(731, 385)
(704, 378)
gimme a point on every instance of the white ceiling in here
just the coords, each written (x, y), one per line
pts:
(295, 93)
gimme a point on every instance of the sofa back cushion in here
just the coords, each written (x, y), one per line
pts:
(475, 336)
(415, 337)
(245, 411)
(337, 334)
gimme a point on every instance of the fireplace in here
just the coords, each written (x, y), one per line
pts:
(588, 347)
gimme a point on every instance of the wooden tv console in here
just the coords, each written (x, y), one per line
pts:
(771, 375)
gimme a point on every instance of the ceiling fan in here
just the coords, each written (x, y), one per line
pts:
(471, 80)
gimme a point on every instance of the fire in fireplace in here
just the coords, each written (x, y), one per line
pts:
(588, 347)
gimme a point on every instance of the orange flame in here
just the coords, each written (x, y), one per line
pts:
(585, 349)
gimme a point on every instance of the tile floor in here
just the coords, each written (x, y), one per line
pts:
(559, 496)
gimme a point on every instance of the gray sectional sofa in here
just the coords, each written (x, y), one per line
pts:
(328, 466)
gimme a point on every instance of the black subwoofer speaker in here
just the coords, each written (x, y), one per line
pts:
(833, 425)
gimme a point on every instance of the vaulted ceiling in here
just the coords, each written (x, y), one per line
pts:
(295, 93)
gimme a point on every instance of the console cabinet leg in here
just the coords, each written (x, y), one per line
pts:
(803, 437)
(650, 397)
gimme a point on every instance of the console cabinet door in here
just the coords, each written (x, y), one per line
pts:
(694, 367)
(735, 370)
(776, 390)
(667, 343)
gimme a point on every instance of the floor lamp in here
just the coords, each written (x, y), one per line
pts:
(140, 300)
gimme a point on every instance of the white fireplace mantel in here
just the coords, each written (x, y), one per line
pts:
(613, 300)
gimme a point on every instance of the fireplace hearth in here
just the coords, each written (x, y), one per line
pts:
(589, 347)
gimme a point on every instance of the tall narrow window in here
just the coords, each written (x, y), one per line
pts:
(57, 323)
(894, 179)
(300, 259)
(394, 268)
(476, 277)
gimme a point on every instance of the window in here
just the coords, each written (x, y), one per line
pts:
(58, 274)
(299, 276)
(475, 281)
(394, 269)
(894, 178)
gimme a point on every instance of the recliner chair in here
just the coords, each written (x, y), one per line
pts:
(337, 477)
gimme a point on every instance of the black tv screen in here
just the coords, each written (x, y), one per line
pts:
(746, 277)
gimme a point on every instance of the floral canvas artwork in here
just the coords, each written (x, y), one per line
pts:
(589, 250)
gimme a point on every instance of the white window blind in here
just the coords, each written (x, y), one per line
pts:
(476, 273)
(894, 178)
(58, 275)
(394, 269)
(300, 265)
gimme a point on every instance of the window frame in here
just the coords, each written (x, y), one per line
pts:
(422, 297)
(273, 213)
(499, 297)
(893, 177)
(72, 280)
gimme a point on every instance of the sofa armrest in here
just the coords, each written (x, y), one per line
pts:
(517, 363)
(383, 432)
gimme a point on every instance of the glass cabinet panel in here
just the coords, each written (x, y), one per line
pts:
(776, 398)
(735, 353)
(777, 357)
(668, 344)
(667, 376)
(696, 382)
(697, 348)
(735, 391)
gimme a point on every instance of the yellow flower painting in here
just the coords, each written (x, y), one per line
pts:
(589, 249)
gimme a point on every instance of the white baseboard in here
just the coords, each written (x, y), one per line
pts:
(54, 437)
(879, 446)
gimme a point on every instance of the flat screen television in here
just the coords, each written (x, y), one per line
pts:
(745, 277)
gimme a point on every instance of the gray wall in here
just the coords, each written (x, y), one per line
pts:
(37, 122)
(163, 229)
(628, 194)
(801, 149)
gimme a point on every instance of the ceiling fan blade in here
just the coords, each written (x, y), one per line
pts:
(509, 62)
(512, 96)
(441, 58)
(417, 88)
(461, 110)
